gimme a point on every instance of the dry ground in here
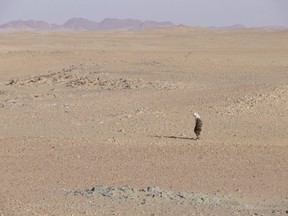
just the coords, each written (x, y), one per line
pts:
(79, 109)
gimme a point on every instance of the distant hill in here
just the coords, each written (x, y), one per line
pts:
(29, 24)
(80, 24)
(84, 24)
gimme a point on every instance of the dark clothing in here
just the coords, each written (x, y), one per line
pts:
(198, 127)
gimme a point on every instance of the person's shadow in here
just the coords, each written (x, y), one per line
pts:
(175, 137)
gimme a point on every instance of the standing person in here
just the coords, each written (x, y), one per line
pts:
(198, 125)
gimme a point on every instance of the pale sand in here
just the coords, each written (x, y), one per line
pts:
(116, 108)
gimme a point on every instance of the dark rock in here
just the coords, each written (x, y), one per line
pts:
(11, 82)
(107, 194)
(181, 195)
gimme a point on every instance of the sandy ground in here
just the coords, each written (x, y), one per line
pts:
(85, 113)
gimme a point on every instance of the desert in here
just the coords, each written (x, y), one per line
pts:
(101, 122)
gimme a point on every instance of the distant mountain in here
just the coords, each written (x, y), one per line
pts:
(85, 24)
(29, 24)
(80, 24)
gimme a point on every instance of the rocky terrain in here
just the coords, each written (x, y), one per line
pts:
(154, 200)
(87, 76)
(99, 123)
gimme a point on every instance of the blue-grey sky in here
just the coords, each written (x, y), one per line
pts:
(189, 12)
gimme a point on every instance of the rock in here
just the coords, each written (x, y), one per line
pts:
(153, 189)
(124, 188)
(11, 82)
(107, 194)
(98, 188)
(181, 195)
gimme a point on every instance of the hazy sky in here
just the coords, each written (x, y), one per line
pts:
(189, 12)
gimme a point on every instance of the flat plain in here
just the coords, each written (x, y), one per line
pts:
(101, 123)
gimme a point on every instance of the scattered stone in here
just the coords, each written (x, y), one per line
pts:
(81, 77)
(124, 188)
(153, 193)
(107, 194)
(181, 195)
(11, 82)
(98, 188)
